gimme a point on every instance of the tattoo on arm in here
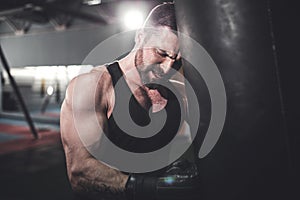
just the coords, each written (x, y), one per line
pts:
(101, 191)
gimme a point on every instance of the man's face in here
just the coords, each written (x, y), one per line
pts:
(159, 53)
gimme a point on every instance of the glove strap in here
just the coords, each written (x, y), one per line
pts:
(141, 187)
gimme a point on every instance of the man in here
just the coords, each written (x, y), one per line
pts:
(145, 69)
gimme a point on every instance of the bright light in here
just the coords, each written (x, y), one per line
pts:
(133, 19)
(169, 180)
(91, 2)
(50, 90)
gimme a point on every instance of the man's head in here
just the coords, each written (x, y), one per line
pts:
(157, 45)
(162, 15)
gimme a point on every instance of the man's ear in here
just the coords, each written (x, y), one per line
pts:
(139, 37)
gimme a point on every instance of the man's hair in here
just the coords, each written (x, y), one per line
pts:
(162, 15)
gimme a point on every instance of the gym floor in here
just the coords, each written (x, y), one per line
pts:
(32, 169)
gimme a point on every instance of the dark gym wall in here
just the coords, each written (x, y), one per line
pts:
(54, 48)
(251, 159)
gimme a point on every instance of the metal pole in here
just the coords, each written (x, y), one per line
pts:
(1, 89)
(18, 93)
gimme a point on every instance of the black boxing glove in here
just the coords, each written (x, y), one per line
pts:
(180, 181)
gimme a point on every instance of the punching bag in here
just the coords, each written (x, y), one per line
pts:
(250, 158)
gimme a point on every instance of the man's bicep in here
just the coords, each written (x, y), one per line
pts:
(82, 122)
(83, 125)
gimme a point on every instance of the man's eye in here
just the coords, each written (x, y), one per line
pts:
(161, 53)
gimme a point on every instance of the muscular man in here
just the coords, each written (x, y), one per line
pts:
(152, 61)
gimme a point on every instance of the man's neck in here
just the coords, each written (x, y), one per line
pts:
(156, 97)
(129, 70)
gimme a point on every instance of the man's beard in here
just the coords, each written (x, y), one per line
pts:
(144, 70)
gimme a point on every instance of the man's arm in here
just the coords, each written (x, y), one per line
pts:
(85, 99)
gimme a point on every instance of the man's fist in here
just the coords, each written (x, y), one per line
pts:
(180, 181)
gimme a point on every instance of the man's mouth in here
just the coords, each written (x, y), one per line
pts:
(157, 75)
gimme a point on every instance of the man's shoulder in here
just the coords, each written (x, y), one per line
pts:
(98, 78)
(95, 83)
(99, 69)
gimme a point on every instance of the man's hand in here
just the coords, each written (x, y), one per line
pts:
(180, 181)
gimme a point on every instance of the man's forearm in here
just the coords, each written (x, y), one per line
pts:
(98, 181)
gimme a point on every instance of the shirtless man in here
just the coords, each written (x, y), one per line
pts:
(152, 60)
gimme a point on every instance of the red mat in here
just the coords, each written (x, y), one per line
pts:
(26, 140)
